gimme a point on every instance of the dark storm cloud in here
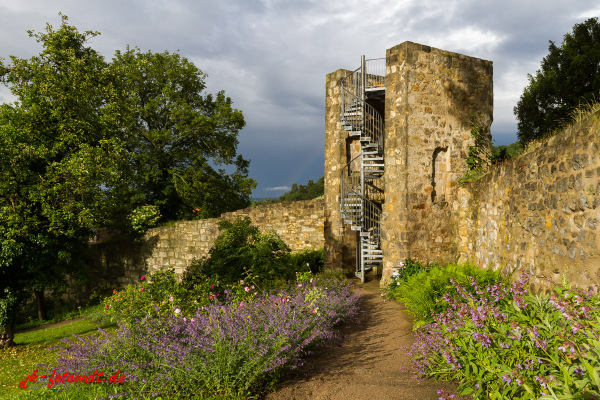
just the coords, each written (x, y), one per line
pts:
(271, 56)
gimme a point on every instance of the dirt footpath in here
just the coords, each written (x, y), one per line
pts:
(370, 364)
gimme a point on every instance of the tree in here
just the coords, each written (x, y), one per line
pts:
(569, 76)
(59, 163)
(176, 135)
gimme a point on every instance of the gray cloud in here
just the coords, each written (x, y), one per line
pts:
(271, 56)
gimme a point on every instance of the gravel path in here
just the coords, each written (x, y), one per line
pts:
(370, 364)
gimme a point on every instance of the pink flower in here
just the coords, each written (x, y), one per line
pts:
(212, 286)
(142, 289)
(142, 278)
(314, 311)
(247, 289)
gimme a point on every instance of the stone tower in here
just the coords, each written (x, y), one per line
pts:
(397, 136)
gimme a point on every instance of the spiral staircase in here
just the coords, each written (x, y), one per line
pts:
(361, 183)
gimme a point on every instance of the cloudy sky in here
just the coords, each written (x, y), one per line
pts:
(271, 56)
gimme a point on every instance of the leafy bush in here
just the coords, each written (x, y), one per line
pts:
(308, 260)
(241, 251)
(502, 342)
(157, 293)
(422, 288)
(143, 218)
(224, 350)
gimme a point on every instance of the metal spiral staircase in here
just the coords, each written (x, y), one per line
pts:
(359, 191)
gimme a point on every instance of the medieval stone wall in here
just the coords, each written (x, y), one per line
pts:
(300, 224)
(340, 241)
(430, 96)
(538, 213)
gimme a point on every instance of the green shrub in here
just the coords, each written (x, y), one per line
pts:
(423, 289)
(241, 251)
(308, 260)
(143, 218)
(156, 293)
(503, 342)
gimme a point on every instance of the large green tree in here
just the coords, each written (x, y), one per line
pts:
(88, 141)
(59, 163)
(569, 76)
(176, 135)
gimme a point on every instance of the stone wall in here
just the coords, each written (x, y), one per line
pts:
(300, 224)
(340, 240)
(430, 95)
(539, 212)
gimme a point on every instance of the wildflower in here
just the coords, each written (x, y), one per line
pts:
(171, 299)
(299, 285)
(247, 289)
(212, 286)
(242, 282)
(177, 311)
(142, 278)
(142, 289)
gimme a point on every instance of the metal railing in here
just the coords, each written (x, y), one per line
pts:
(359, 175)
(354, 206)
(374, 73)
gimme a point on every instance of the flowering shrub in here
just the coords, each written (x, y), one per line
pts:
(422, 289)
(158, 293)
(502, 342)
(228, 349)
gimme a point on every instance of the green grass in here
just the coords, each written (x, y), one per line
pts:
(33, 348)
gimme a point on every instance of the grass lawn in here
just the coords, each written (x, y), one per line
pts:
(33, 348)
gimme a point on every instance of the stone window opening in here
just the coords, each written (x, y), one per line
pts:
(439, 174)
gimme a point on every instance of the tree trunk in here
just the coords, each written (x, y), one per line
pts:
(41, 304)
(7, 336)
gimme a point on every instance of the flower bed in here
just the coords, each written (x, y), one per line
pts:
(502, 342)
(235, 347)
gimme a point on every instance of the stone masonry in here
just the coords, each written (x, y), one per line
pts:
(299, 224)
(538, 213)
(430, 95)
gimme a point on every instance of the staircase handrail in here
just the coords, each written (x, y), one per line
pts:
(370, 212)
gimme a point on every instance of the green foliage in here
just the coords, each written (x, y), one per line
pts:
(297, 192)
(156, 293)
(502, 342)
(305, 192)
(175, 134)
(506, 152)
(143, 218)
(59, 160)
(308, 260)
(422, 290)
(241, 251)
(479, 152)
(569, 76)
